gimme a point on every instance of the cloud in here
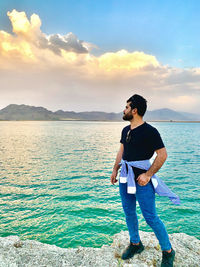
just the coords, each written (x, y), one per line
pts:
(22, 26)
(60, 71)
(29, 32)
(68, 42)
(122, 60)
(31, 45)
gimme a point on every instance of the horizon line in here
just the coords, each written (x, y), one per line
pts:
(96, 110)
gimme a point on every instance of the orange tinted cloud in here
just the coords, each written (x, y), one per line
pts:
(127, 61)
(22, 26)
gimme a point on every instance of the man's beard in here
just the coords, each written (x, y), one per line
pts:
(127, 117)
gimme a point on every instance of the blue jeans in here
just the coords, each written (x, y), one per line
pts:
(145, 195)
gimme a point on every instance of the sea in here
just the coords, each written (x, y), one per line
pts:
(55, 181)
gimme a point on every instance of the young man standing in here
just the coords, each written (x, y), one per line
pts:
(139, 141)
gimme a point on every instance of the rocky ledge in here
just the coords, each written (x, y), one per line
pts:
(17, 253)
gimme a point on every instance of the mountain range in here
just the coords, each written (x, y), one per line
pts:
(15, 112)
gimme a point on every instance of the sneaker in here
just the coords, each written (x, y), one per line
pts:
(131, 250)
(168, 258)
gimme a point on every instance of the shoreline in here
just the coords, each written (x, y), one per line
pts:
(23, 253)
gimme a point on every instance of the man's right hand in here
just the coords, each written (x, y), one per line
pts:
(116, 166)
(113, 177)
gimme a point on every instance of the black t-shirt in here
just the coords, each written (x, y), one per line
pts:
(145, 139)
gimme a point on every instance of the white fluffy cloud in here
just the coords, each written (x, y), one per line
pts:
(60, 71)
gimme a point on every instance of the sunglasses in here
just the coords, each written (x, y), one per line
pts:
(128, 136)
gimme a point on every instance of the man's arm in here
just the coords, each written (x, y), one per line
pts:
(116, 166)
(161, 157)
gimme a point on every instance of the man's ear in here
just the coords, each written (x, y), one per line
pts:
(134, 111)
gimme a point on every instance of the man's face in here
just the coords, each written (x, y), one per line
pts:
(127, 112)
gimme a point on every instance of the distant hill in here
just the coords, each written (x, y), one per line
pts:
(26, 112)
(168, 114)
(93, 115)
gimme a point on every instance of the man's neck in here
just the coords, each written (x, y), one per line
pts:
(135, 122)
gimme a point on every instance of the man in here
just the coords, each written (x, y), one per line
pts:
(139, 141)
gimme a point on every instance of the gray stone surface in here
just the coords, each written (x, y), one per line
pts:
(29, 253)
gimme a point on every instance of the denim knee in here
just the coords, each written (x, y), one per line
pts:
(128, 211)
(152, 221)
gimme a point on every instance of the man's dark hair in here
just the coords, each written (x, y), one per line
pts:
(137, 101)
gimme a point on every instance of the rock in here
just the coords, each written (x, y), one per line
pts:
(17, 253)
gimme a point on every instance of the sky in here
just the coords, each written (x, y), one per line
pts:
(90, 55)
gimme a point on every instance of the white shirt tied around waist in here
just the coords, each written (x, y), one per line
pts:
(129, 177)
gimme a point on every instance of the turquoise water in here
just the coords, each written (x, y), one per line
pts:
(55, 181)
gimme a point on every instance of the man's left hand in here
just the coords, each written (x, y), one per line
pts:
(143, 179)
